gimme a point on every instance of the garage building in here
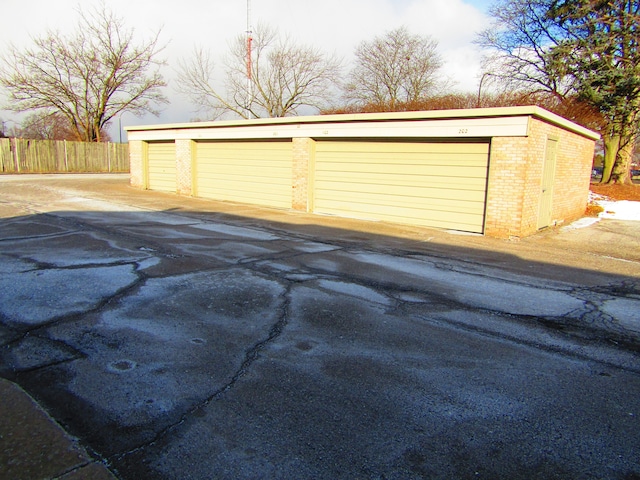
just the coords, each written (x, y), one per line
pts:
(504, 172)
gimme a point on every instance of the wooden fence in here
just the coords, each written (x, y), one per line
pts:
(60, 156)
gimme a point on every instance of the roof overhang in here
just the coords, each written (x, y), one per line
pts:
(469, 123)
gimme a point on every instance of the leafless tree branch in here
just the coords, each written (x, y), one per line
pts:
(89, 77)
(398, 67)
(284, 78)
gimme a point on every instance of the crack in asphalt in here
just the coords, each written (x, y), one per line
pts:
(100, 305)
(625, 288)
(587, 317)
(589, 323)
(592, 318)
(39, 330)
(251, 355)
(158, 249)
(562, 348)
(39, 237)
(40, 265)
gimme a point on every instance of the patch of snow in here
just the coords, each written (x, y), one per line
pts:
(313, 247)
(95, 205)
(354, 290)
(620, 210)
(624, 311)
(581, 223)
(617, 210)
(39, 296)
(125, 216)
(517, 298)
(243, 232)
(595, 197)
(148, 263)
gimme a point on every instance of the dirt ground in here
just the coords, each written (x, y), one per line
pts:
(617, 191)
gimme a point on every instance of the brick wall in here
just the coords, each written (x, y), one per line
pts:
(573, 175)
(515, 178)
(137, 164)
(506, 184)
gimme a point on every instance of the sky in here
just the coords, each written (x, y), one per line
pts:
(335, 26)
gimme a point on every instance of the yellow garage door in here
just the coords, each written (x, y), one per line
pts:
(257, 172)
(434, 184)
(162, 166)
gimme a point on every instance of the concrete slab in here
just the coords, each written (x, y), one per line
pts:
(34, 446)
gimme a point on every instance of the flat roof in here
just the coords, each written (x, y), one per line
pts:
(471, 113)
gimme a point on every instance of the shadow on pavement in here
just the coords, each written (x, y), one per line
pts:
(212, 340)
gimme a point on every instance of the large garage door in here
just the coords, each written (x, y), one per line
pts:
(257, 172)
(436, 184)
(162, 166)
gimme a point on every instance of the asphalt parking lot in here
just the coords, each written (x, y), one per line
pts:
(179, 338)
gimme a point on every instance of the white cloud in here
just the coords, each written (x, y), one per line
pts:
(333, 25)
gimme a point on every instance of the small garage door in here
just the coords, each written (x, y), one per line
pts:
(435, 184)
(162, 166)
(257, 172)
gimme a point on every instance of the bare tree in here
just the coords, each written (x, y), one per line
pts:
(47, 126)
(519, 41)
(586, 50)
(398, 67)
(281, 78)
(89, 77)
(195, 81)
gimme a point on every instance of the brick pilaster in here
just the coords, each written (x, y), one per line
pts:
(137, 149)
(303, 155)
(185, 153)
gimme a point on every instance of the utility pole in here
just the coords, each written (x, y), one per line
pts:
(249, 39)
(249, 62)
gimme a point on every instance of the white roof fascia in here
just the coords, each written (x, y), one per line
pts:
(478, 122)
(454, 128)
